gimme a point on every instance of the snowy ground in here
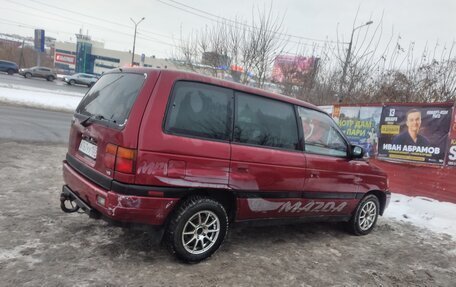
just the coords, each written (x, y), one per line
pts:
(41, 98)
(424, 212)
(437, 216)
(42, 246)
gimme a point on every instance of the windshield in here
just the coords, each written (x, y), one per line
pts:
(112, 97)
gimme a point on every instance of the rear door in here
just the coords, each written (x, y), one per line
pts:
(268, 167)
(184, 139)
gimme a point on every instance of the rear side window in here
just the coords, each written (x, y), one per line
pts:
(112, 97)
(200, 110)
(265, 122)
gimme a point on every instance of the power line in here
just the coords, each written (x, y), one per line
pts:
(234, 21)
(94, 17)
(95, 26)
(236, 26)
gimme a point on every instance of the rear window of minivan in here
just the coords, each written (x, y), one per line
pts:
(112, 97)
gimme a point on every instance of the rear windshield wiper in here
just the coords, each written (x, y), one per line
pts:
(89, 120)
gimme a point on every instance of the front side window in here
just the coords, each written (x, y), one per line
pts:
(265, 122)
(200, 110)
(320, 134)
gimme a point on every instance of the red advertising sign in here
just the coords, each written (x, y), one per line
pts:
(65, 58)
(290, 68)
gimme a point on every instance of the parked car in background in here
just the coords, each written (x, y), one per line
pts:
(81, 79)
(8, 67)
(39, 72)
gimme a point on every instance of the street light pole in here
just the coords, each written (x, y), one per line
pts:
(347, 59)
(134, 39)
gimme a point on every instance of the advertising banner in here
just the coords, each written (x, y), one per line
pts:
(451, 158)
(65, 58)
(290, 68)
(414, 133)
(39, 40)
(361, 126)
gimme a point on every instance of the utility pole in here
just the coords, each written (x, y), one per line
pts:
(134, 39)
(347, 60)
(21, 58)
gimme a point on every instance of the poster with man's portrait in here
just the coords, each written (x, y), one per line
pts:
(414, 133)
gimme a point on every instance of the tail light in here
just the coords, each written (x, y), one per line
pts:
(125, 160)
(120, 159)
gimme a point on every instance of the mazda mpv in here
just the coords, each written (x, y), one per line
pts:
(190, 154)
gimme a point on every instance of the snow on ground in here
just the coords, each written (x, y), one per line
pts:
(35, 89)
(41, 98)
(424, 212)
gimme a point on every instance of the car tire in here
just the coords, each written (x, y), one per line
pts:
(365, 217)
(71, 82)
(196, 229)
(10, 72)
(28, 75)
(50, 78)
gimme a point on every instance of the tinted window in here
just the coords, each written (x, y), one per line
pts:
(265, 122)
(320, 134)
(200, 110)
(112, 97)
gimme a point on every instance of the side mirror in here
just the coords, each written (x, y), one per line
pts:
(357, 151)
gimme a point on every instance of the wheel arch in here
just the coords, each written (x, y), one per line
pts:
(225, 197)
(381, 198)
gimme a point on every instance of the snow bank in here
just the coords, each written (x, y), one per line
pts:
(424, 212)
(41, 98)
(34, 89)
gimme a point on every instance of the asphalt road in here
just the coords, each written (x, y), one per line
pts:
(29, 124)
(57, 84)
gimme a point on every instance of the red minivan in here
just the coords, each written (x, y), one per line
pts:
(189, 154)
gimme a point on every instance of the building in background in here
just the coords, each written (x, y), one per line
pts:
(89, 56)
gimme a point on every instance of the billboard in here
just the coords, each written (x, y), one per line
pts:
(451, 157)
(361, 126)
(289, 68)
(64, 58)
(414, 133)
(39, 40)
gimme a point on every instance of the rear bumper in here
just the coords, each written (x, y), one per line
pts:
(117, 207)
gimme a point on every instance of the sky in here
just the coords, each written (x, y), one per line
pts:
(309, 22)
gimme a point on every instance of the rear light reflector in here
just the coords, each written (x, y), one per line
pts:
(101, 200)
